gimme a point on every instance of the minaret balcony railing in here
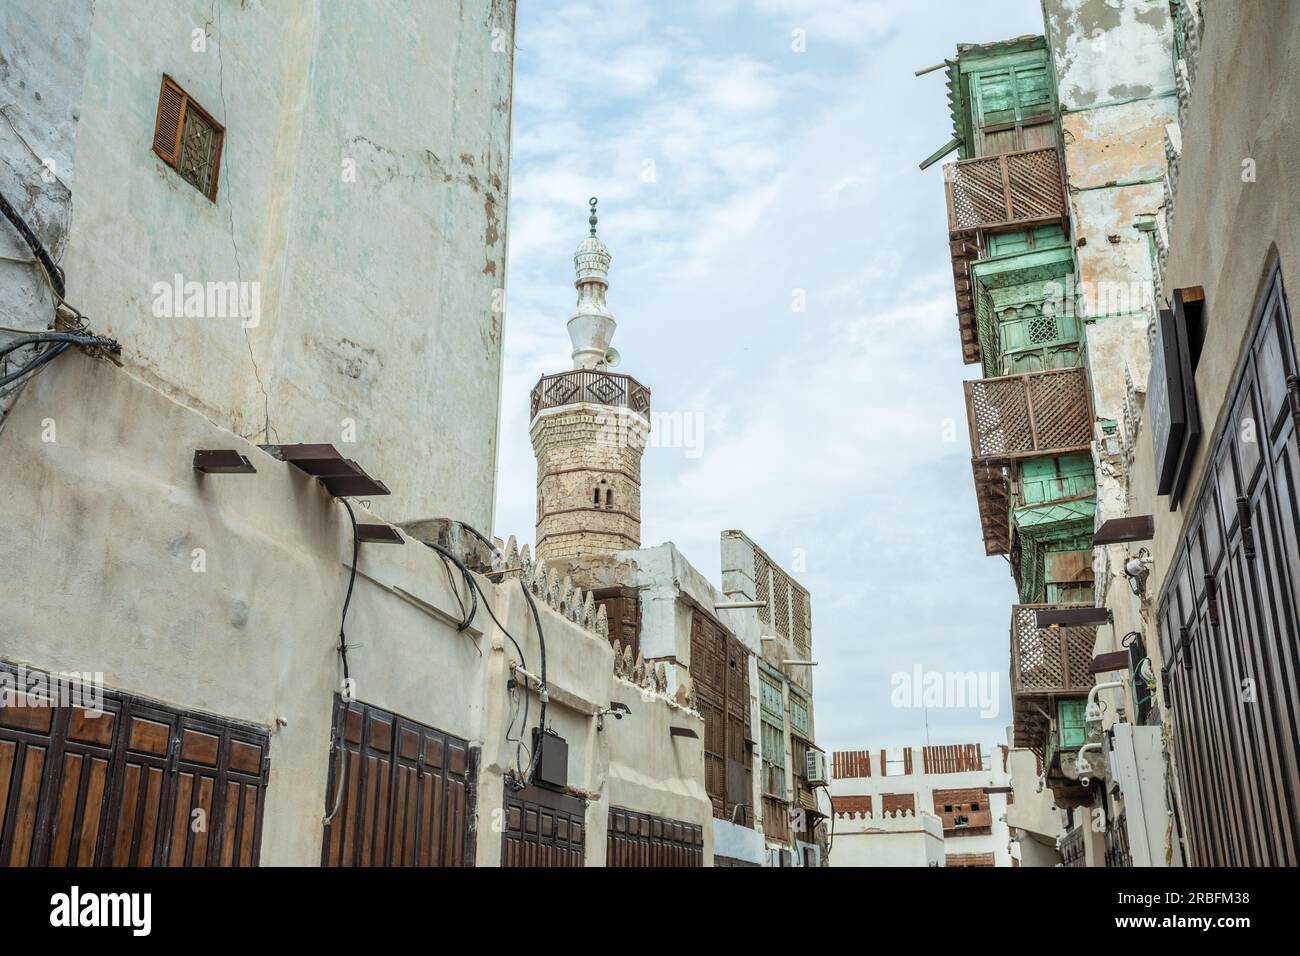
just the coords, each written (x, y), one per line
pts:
(591, 386)
(1033, 415)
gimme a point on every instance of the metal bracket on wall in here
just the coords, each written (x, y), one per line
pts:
(222, 461)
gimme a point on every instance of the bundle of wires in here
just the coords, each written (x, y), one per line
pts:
(59, 342)
(524, 775)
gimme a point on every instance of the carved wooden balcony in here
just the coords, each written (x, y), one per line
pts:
(1047, 663)
(1007, 190)
(593, 387)
(1029, 416)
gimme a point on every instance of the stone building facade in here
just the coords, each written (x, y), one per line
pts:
(589, 430)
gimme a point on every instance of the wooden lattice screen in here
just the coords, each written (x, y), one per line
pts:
(1031, 415)
(1020, 188)
(1046, 662)
(720, 670)
(1049, 660)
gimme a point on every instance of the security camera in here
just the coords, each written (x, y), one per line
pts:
(615, 709)
(1137, 569)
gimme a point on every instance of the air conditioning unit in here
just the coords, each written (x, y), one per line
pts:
(815, 767)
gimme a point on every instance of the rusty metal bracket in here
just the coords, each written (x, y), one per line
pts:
(379, 534)
(222, 461)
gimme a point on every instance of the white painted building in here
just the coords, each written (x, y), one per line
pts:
(335, 221)
(886, 798)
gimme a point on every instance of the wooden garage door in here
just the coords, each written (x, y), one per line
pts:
(139, 784)
(409, 794)
(543, 828)
(638, 839)
(1229, 628)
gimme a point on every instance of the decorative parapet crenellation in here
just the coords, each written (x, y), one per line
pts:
(867, 815)
(567, 599)
(561, 595)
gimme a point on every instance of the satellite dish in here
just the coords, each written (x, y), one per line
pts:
(612, 358)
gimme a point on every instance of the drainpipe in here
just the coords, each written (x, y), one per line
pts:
(1092, 713)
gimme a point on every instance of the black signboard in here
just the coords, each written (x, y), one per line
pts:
(1188, 304)
(1165, 394)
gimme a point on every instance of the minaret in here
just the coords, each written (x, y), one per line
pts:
(589, 427)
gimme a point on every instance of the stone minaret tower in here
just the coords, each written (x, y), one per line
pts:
(589, 427)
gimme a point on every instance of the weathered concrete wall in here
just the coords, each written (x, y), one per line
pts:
(1033, 812)
(363, 189)
(101, 544)
(1225, 231)
(40, 106)
(1109, 51)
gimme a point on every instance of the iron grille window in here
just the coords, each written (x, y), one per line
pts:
(188, 139)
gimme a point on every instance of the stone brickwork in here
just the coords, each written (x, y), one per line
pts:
(588, 480)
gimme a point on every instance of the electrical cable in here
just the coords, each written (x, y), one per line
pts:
(337, 740)
(60, 342)
(541, 643)
(342, 765)
(476, 590)
(830, 839)
(53, 273)
(542, 691)
(347, 598)
(469, 581)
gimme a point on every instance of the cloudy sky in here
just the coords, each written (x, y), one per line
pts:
(736, 177)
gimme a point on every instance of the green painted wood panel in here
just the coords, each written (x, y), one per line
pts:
(1051, 479)
(1072, 729)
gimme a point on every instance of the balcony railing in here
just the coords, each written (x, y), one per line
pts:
(1029, 416)
(1022, 188)
(587, 385)
(1046, 663)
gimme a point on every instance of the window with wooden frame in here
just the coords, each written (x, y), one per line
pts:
(188, 139)
(1013, 105)
(772, 733)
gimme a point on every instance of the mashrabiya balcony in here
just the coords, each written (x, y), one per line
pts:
(1047, 664)
(1033, 415)
(1017, 189)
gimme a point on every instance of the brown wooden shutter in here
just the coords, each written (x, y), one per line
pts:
(408, 797)
(172, 102)
(121, 788)
(543, 828)
(638, 839)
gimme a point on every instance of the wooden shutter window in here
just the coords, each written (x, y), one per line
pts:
(171, 119)
(188, 139)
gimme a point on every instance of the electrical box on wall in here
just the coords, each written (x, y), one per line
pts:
(553, 761)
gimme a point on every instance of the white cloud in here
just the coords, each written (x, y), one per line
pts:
(824, 429)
